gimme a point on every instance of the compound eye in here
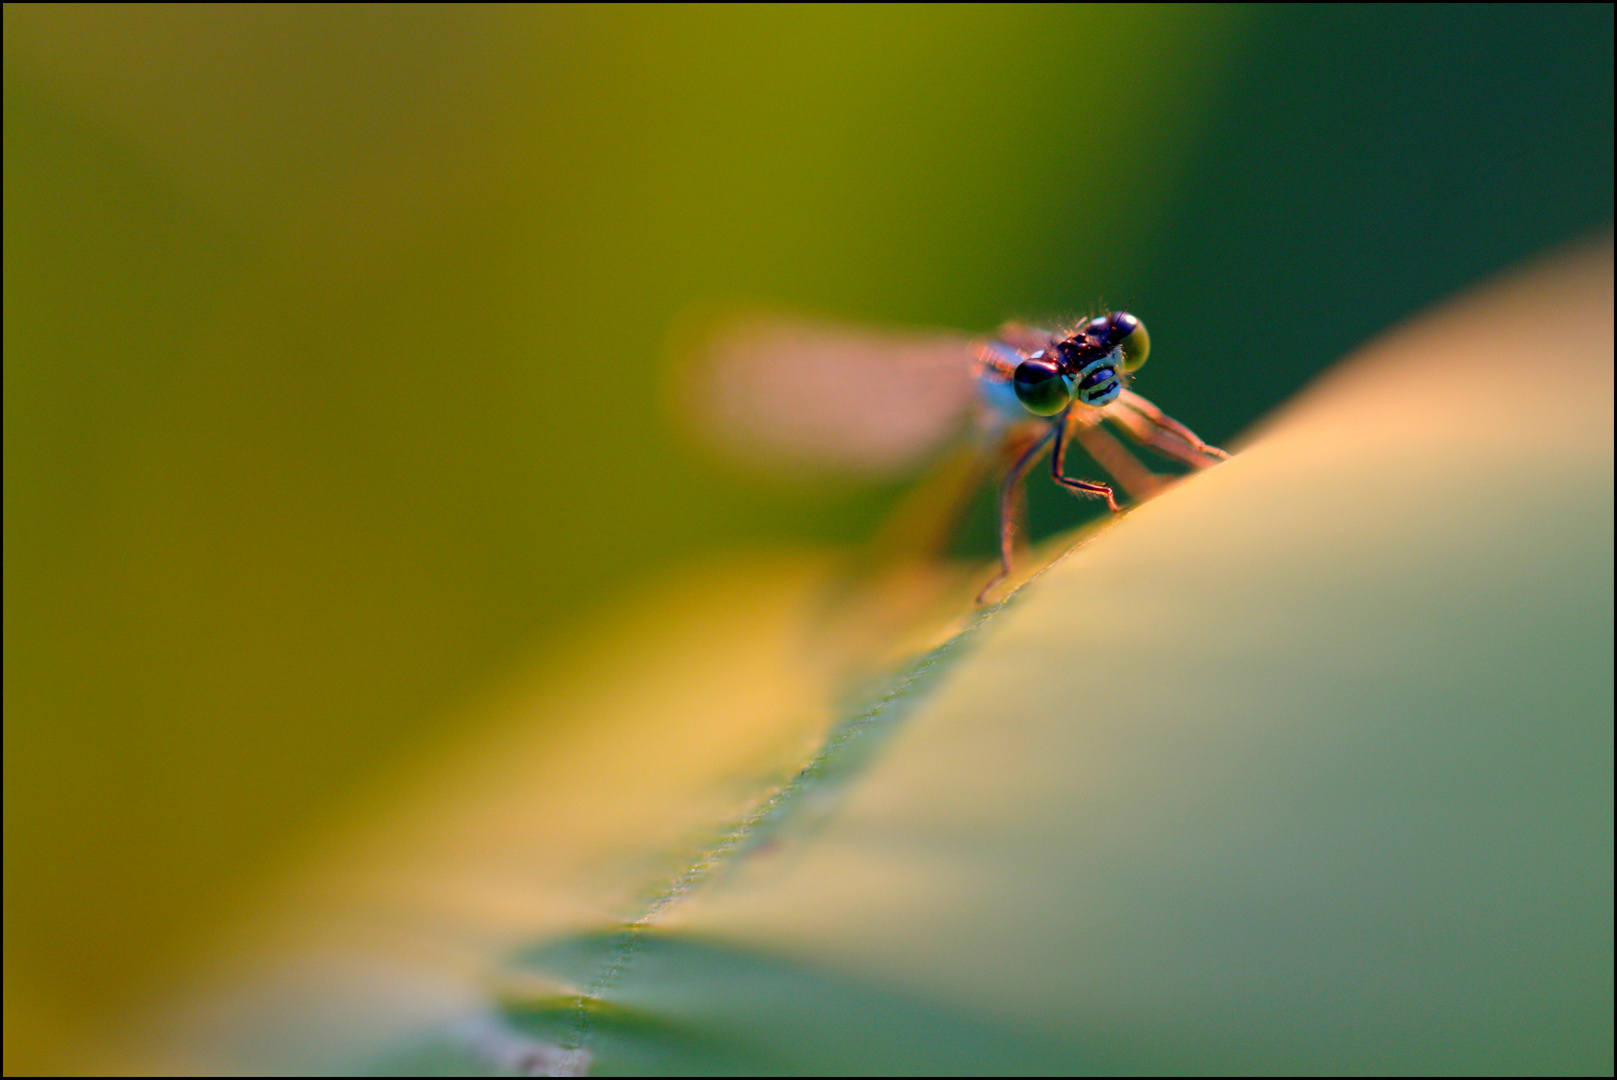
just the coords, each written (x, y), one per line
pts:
(1041, 387)
(1129, 333)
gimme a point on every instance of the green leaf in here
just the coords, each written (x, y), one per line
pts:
(1304, 766)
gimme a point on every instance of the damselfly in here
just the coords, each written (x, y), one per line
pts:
(786, 393)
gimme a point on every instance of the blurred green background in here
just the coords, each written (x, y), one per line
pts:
(326, 329)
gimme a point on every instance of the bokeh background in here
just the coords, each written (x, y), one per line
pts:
(334, 338)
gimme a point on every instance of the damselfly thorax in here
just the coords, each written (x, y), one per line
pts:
(798, 396)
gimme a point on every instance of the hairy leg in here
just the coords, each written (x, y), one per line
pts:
(1058, 463)
(1150, 426)
(1011, 504)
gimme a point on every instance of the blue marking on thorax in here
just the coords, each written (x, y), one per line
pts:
(997, 392)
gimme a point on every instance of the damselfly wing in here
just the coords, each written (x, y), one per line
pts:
(796, 395)
(802, 396)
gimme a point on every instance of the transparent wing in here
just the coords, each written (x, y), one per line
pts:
(1029, 339)
(776, 393)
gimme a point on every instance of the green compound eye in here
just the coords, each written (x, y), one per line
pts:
(1041, 387)
(1129, 333)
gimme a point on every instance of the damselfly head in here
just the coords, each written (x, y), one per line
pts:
(1085, 367)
